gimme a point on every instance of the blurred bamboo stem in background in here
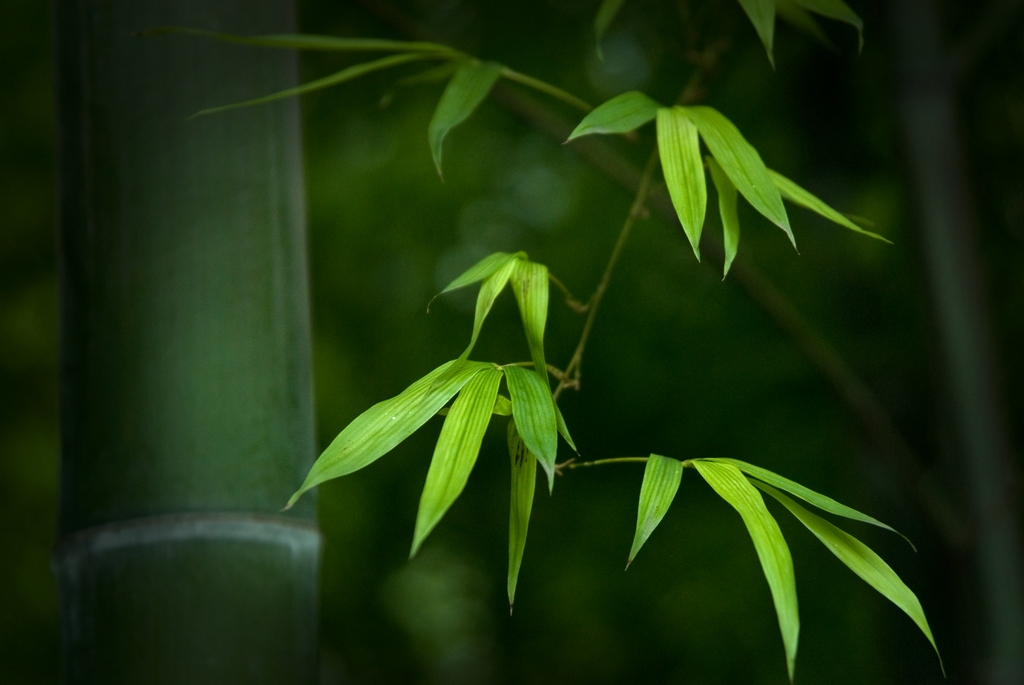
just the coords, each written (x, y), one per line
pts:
(947, 225)
(186, 404)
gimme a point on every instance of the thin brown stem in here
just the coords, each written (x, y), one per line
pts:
(573, 464)
(693, 92)
(572, 370)
(570, 299)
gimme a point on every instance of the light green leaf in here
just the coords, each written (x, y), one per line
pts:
(683, 167)
(762, 16)
(524, 482)
(621, 114)
(482, 269)
(727, 208)
(797, 195)
(862, 560)
(733, 487)
(806, 494)
(502, 406)
(380, 428)
(303, 41)
(534, 413)
(661, 481)
(800, 19)
(741, 163)
(838, 10)
(456, 450)
(564, 429)
(605, 16)
(489, 291)
(530, 285)
(342, 76)
(469, 86)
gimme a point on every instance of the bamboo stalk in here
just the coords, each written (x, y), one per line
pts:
(186, 404)
(938, 174)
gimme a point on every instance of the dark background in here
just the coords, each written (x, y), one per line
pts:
(680, 363)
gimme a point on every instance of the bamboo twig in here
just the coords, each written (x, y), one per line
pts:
(858, 397)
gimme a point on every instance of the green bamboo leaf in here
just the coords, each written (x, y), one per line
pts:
(342, 76)
(797, 195)
(380, 428)
(742, 164)
(733, 487)
(802, 20)
(303, 41)
(564, 429)
(762, 16)
(661, 481)
(621, 114)
(534, 413)
(530, 285)
(456, 451)
(683, 167)
(863, 561)
(481, 270)
(806, 494)
(838, 10)
(502, 406)
(524, 482)
(469, 86)
(727, 208)
(489, 291)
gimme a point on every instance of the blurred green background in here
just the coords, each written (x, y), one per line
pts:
(680, 362)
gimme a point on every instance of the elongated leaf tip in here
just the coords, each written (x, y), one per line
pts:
(628, 562)
(293, 499)
(511, 606)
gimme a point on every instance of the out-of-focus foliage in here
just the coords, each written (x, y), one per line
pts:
(28, 350)
(679, 363)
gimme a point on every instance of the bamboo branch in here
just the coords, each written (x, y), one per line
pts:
(858, 397)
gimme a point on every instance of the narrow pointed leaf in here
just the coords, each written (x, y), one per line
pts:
(772, 550)
(304, 41)
(802, 20)
(530, 286)
(762, 16)
(467, 89)
(823, 502)
(502, 406)
(534, 413)
(605, 16)
(797, 195)
(742, 164)
(838, 10)
(621, 114)
(564, 429)
(489, 291)
(380, 428)
(679, 148)
(862, 560)
(727, 208)
(662, 476)
(524, 482)
(456, 450)
(482, 269)
(342, 76)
